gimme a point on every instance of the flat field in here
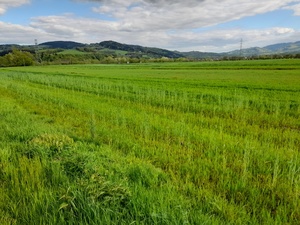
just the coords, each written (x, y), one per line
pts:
(170, 143)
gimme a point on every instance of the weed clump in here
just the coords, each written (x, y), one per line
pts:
(49, 144)
(106, 192)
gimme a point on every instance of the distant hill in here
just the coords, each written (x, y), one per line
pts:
(281, 48)
(284, 47)
(201, 55)
(112, 48)
(140, 50)
(62, 44)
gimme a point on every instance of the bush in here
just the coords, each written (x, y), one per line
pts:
(17, 58)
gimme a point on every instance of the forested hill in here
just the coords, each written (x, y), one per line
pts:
(62, 44)
(58, 50)
(281, 48)
(139, 50)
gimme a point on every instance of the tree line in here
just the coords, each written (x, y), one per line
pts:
(17, 58)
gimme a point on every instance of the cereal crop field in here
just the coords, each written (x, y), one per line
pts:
(158, 143)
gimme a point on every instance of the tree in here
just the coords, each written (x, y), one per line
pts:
(17, 58)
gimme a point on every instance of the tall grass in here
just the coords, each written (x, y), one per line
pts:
(190, 143)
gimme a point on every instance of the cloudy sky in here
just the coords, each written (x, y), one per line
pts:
(184, 25)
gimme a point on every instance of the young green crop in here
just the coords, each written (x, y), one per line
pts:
(174, 143)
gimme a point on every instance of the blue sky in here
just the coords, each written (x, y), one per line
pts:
(200, 25)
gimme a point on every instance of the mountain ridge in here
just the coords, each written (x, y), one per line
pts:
(280, 48)
(137, 51)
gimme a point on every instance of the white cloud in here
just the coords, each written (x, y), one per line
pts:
(5, 4)
(69, 27)
(222, 40)
(18, 34)
(159, 23)
(75, 28)
(295, 8)
(136, 15)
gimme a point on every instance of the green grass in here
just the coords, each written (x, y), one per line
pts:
(169, 143)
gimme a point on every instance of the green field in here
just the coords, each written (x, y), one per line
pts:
(165, 143)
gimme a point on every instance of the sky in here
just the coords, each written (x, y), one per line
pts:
(183, 25)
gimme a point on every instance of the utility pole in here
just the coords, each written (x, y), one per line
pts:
(36, 50)
(241, 47)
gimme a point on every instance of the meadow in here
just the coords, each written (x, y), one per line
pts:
(154, 143)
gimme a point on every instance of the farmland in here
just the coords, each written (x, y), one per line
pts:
(160, 143)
